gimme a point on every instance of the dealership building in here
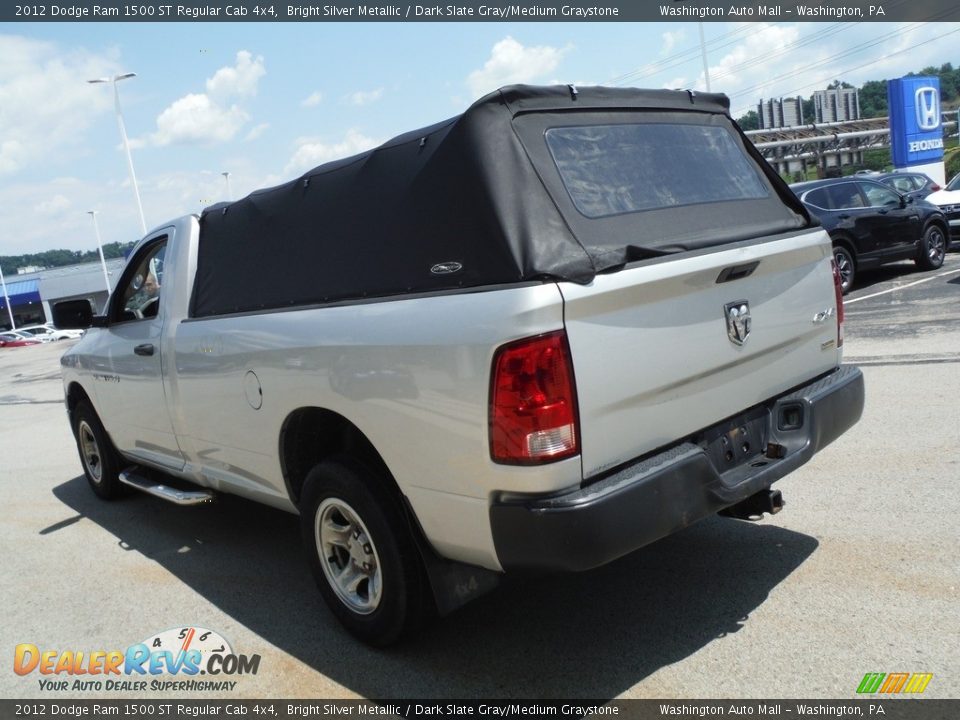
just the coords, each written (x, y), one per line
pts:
(31, 295)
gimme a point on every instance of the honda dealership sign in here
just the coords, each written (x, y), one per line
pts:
(916, 135)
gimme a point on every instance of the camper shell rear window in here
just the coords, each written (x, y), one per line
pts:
(645, 182)
(632, 167)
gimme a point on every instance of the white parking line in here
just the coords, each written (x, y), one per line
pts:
(901, 287)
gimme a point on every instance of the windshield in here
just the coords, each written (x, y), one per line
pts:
(955, 183)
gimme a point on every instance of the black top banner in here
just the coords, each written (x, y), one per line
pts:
(178, 709)
(484, 11)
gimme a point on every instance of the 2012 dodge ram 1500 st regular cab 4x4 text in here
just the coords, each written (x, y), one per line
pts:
(539, 335)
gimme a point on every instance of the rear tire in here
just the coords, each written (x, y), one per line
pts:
(362, 553)
(101, 462)
(846, 266)
(933, 248)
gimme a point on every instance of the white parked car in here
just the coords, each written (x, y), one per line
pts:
(48, 332)
(949, 201)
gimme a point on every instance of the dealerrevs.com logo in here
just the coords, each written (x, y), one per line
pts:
(175, 660)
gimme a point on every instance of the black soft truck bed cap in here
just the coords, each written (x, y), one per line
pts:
(530, 183)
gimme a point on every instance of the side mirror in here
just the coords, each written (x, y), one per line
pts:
(74, 315)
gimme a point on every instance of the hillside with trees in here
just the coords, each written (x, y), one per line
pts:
(60, 258)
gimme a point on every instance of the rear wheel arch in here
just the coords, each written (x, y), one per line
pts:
(311, 435)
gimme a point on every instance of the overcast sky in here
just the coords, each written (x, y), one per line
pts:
(265, 102)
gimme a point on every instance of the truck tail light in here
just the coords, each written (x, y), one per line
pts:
(838, 290)
(533, 402)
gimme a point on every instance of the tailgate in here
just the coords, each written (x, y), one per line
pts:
(653, 357)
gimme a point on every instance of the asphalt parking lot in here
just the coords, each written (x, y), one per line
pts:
(858, 574)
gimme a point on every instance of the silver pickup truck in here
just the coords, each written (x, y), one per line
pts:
(536, 336)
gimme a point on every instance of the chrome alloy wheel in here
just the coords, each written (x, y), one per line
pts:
(90, 451)
(936, 246)
(844, 267)
(348, 556)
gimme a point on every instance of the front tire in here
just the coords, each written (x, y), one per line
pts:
(933, 248)
(101, 462)
(361, 552)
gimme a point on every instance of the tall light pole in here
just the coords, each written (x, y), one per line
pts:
(703, 50)
(123, 135)
(6, 300)
(226, 176)
(103, 263)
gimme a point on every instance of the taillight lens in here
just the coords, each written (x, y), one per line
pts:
(533, 402)
(934, 187)
(838, 289)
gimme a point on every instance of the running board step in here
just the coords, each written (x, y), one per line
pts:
(165, 492)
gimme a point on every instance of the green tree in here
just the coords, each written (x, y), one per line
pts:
(952, 164)
(873, 99)
(949, 83)
(116, 249)
(750, 121)
(59, 258)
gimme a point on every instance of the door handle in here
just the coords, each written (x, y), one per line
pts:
(145, 349)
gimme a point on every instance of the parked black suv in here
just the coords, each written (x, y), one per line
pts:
(871, 224)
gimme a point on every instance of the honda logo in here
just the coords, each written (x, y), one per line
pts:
(738, 321)
(928, 108)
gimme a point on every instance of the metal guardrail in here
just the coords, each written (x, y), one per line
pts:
(803, 142)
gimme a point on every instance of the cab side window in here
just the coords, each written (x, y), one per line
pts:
(140, 295)
(820, 199)
(903, 185)
(845, 196)
(879, 195)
